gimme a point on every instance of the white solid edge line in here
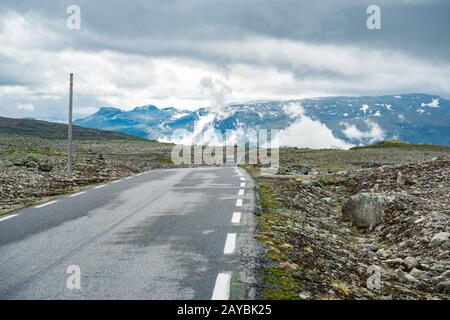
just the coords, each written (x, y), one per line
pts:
(77, 194)
(222, 286)
(241, 192)
(239, 203)
(8, 217)
(242, 179)
(230, 244)
(45, 204)
(115, 181)
(243, 184)
(236, 218)
(101, 186)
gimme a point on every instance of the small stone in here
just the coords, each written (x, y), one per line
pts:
(401, 180)
(419, 274)
(45, 167)
(410, 262)
(443, 287)
(410, 278)
(439, 239)
(368, 247)
(381, 253)
(446, 274)
(327, 200)
(395, 262)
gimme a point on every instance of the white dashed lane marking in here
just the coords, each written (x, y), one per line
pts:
(230, 244)
(241, 192)
(77, 194)
(8, 217)
(236, 219)
(45, 204)
(242, 184)
(239, 203)
(222, 286)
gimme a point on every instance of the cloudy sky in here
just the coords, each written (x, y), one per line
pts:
(186, 53)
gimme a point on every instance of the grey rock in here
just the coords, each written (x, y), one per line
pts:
(446, 274)
(32, 165)
(444, 286)
(395, 262)
(45, 167)
(381, 253)
(410, 262)
(31, 159)
(410, 278)
(327, 200)
(367, 247)
(439, 239)
(301, 169)
(400, 179)
(365, 209)
(419, 274)
(17, 162)
(406, 276)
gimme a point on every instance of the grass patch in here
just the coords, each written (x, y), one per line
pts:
(402, 145)
(274, 229)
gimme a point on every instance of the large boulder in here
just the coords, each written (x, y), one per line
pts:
(365, 209)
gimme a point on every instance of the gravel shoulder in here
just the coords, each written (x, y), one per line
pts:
(313, 252)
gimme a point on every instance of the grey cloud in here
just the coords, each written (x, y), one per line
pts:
(419, 27)
(195, 29)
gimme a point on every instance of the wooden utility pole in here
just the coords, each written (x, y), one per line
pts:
(69, 147)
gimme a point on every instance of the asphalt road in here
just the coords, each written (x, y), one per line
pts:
(164, 234)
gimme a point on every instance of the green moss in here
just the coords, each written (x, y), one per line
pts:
(274, 229)
(268, 200)
(282, 285)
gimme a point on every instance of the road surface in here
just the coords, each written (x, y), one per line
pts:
(163, 234)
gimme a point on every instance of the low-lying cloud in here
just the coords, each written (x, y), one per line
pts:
(308, 133)
(373, 134)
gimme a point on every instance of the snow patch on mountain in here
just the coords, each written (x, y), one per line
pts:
(433, 104)
(364, 108)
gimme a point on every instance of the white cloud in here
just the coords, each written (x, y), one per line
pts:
(375, 133)
(25, 107)
(308, 133)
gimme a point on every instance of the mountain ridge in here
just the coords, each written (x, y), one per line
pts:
(54, 130)
(411, 117)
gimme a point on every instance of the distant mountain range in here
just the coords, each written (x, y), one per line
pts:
(342, 121)
(53, 130)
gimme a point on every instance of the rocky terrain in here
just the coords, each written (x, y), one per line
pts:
(358, 224)
(33, 169)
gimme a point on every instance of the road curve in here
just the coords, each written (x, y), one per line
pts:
(164, 234)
